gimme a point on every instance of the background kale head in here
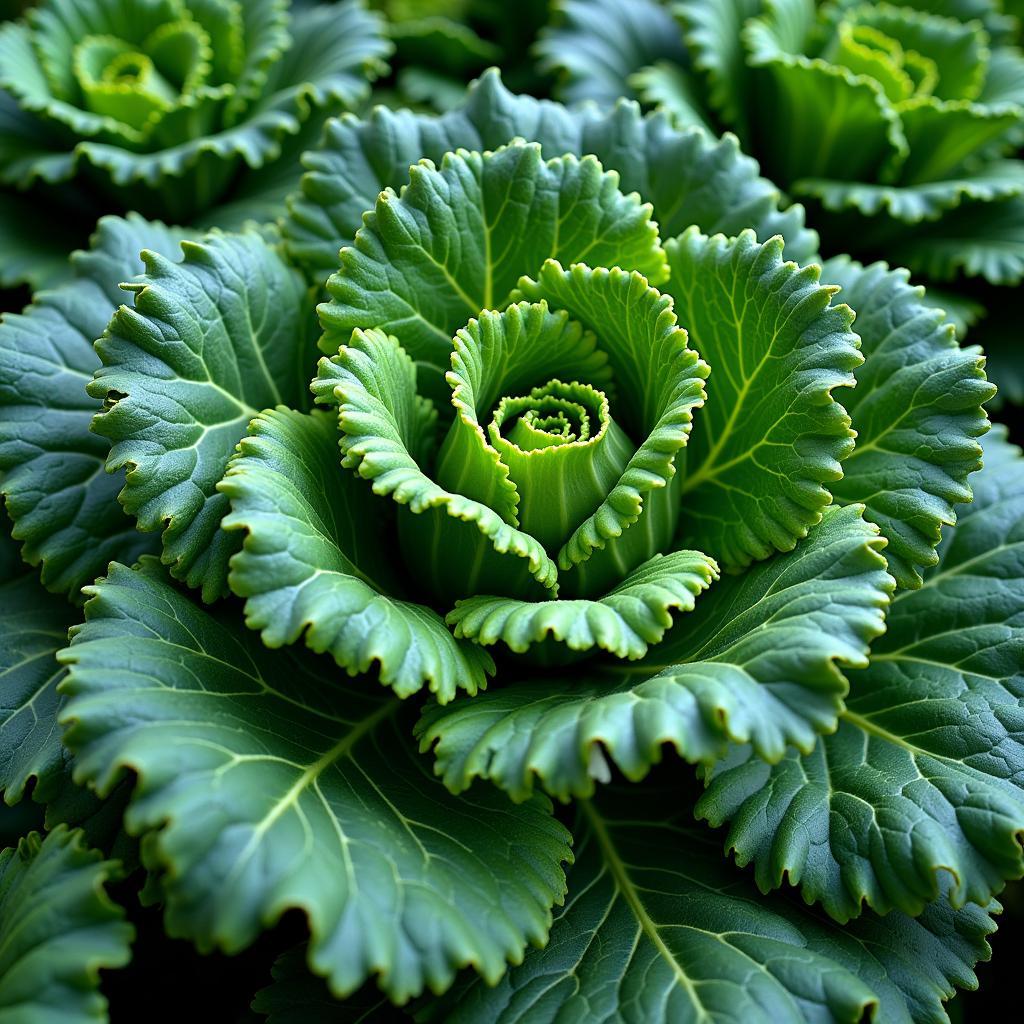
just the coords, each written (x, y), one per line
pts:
(188, 110)
(898, 124)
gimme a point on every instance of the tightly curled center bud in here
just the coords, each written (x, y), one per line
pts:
(563, 452)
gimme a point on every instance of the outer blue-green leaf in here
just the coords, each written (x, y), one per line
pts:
(920, 793)
(33, 627)
(209, 343)
(688, 177)
(917, 410)
(58, 929)
(758, 660)
(657, 929)
(593, 46)
(767, 444)
(266, 785)
(63, 505)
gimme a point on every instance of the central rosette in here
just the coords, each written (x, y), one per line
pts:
(545, 472)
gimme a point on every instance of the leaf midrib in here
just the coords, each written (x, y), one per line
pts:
(625, 886)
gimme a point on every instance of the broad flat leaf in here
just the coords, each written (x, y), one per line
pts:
(63, 505)
(920, 792)
(209, 343)
(58, 929)
(457, 239)
(33, 627)
(265, 785)
(767, 445)
(917, 410)
(758, 660)
(687, 176)
(624, 622)
(911, 204)
(975, 240)
(593, 46)
(658, 930)
(315, 562)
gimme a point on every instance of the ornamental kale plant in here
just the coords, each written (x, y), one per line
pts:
(441, 44)
(194, 111)
(898, 124)
(597, 469)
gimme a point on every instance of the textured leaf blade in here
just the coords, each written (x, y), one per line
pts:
(63, 505)
(768, 443)
(688, 177)
(919, 792)
(33, 627)
(457, 239)
(917, 410)
(314, 562)
(593, 46)
(713, 35)
(976, 239)
(624, 622)
(209, 343)
(656, 929)
(911, 204)
(757, 660)
(51, 961)
(270, 787)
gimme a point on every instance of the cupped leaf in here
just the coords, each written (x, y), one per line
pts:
(689, 177)
(624, 622)
(660, 382)
(33, 627)
(58, 929)
(942, 136)
(813, 118)
(768, 444)
(314, 562)
(592, 47)
(210, 342)
(758, 660)
(919, 794)
(62, 504)
(457, 239)
(495, 359)
(265, 786)
(657, 929)
(455, 546)
(917, 410)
